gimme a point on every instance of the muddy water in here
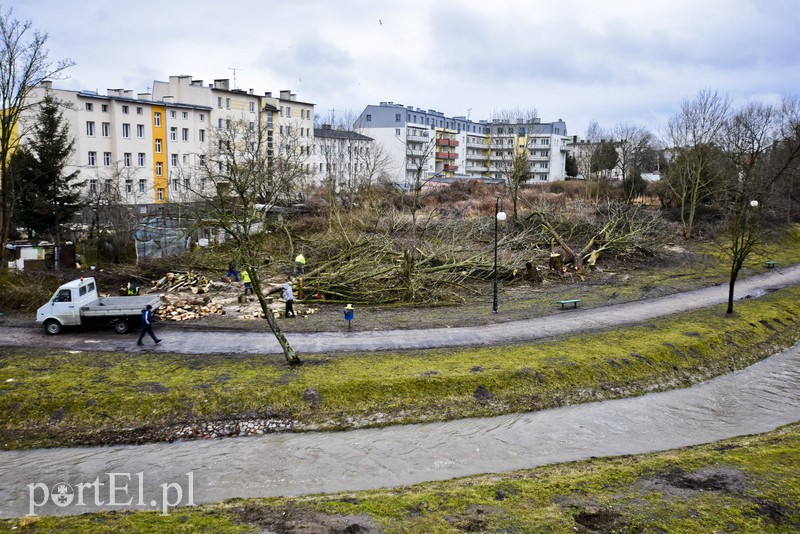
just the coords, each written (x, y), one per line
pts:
(754, 400)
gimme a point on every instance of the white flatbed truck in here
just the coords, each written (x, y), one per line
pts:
(77, 303)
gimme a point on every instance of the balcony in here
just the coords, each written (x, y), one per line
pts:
(452, 155)
(443, 155)
(442, 142)
(417, 138)
(449, 167)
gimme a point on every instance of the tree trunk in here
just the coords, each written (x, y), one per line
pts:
(291, 356)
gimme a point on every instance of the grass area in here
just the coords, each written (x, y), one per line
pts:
(748, 484)
(51, 398)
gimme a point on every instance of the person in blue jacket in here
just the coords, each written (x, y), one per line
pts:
(147, 325)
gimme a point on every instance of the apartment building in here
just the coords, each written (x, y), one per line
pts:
(344, 157)
(426, 144)
(150, 148)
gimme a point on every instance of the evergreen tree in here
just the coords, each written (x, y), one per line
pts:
(571, 166)
(45, 197)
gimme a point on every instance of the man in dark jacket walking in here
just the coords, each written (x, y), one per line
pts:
(147, 325)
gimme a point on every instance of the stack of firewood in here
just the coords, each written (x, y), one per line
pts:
(183, 310)
(187, 281)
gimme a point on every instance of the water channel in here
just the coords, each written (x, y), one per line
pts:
(757, 399)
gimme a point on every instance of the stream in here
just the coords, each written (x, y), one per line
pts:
(156, 476)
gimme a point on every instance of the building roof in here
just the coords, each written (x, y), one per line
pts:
(327, 132)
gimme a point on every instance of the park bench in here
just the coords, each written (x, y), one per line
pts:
(771, 264)
(574, 302)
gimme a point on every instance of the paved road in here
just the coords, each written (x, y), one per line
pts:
(559, 323)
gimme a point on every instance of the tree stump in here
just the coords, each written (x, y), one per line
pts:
(533, 274)
(556, 262)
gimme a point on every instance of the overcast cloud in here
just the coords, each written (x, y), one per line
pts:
(628, 61)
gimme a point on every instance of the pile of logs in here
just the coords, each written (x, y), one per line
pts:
(184, 310)
(187, 281)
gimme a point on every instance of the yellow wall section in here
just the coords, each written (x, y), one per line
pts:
(160, 132)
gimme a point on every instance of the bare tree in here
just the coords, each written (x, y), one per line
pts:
(24, 65)
(240, 184)
(635, 152)
(759, 155)
(692, 135)
(512, 135)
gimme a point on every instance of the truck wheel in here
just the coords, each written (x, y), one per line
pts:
(121, 326)
(52, 327)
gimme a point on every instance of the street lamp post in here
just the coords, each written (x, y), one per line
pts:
(499, 215)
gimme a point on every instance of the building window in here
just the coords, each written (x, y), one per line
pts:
(107, 159)
(543, 165)
(141, 159)
(201, 135)
(140, 131)
(227, 103)
(202, 117)
(159, 169)
(545, 141)
(186, 159)
(252, 107)
(126, 131)
(175, 185)
(125, 109)
(397, 132)
(174, 158)
(108, 184)
(93, 186)
(289, 112)
(280, 112)
(142, 185)
(219, 102)
(127, 159)
(89, 106)
(129, 185)
(185, 134)
(369, 118)
(172, 114)
(104, 108)
(160, 193)
(90, 128)
(396, 117)
(158, 146)
(157, 118)
(92, 158)
(105, 129)
(227, 124)
(139, 110)
(185, 115)
(252, 126)
(173, 133)
(201, 159)
(186, 184)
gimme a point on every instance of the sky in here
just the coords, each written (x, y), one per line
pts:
(614, 62)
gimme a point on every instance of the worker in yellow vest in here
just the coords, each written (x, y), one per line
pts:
(299, 264)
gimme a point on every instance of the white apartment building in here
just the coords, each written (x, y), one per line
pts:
(342, 156)
(430, 144)
(147, 148)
